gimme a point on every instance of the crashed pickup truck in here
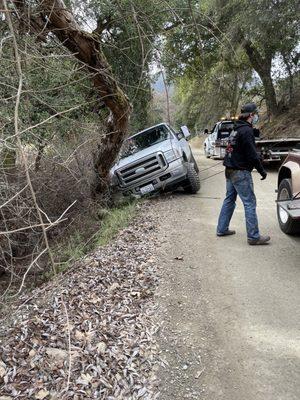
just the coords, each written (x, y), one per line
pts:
(288, 194)
(156, 159)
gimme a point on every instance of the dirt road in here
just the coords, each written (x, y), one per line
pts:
(231, 311)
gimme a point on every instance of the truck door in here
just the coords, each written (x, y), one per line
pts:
(183, 143)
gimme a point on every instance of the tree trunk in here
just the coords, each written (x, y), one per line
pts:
(270, 93)
(263, 67)
(291, 79)
(56, 18)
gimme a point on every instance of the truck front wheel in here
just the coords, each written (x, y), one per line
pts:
(195, 164)
(287, 224)
(192, 182)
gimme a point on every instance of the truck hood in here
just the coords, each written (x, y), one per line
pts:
(162, 147)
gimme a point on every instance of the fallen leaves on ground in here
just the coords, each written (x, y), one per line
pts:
(107, 349)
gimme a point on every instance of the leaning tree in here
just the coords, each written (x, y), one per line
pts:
(52, 19)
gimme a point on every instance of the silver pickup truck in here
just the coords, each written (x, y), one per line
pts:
(156, 159)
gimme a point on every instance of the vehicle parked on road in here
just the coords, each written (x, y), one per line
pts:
(288, 194)
(155, 159)
(215, 144)
(270, 150)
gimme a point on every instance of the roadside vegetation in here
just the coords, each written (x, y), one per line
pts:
(94, 233)
(232, 52)
(77, 269)
(77, 78)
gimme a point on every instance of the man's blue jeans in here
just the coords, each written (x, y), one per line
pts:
(239, 183)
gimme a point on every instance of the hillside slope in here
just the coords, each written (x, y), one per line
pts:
(285, 125)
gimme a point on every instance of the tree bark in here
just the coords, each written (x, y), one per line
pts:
(262, 66)
(291, 78)
(86, 48)
(270, 93)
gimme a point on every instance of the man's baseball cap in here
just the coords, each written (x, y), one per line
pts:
(249, 108)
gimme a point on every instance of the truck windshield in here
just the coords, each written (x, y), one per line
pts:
(144, 140)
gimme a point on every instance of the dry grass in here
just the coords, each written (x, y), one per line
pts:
(63, 179)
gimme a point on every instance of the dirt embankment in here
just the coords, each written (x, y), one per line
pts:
(285, 125)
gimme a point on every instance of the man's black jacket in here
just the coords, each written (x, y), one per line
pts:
(242, 153)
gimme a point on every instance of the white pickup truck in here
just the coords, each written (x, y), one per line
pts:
(215, 144)
(156, 159)
(269, 150)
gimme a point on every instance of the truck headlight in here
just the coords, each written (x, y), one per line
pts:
(113, 179)
(172, 155)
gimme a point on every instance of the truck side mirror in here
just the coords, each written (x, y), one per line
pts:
(185, 131)
(205, 131)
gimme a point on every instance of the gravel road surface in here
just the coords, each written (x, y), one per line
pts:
(231, 311)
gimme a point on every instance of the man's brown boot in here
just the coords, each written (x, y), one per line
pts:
(260, 241)
(226, 233)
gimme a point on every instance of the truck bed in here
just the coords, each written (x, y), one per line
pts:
(276, 149)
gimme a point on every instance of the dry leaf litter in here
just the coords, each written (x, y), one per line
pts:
(91, 334)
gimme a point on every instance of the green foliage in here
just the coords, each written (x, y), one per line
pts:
(271, 25)
(53, 83)
(204, 52)
(266, 30)
(72, 250)
(213, 52)
(128, 32)
(117, 219)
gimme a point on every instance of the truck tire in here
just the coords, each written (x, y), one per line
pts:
(207, 155)
(192, 182)
(287, 224)
(194, 162)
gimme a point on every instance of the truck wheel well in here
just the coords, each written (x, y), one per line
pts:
(285, 173)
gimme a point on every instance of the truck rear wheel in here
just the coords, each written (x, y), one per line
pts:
(207, 155)
(192, 183)
(287, 224)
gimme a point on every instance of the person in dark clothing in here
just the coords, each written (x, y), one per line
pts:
(241, 157)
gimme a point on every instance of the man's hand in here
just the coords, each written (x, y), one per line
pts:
(263, 176)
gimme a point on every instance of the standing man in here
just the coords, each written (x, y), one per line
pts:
(241, 157)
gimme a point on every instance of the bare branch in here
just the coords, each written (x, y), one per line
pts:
(17, 134)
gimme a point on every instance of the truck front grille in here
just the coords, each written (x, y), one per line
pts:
(141, 169)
